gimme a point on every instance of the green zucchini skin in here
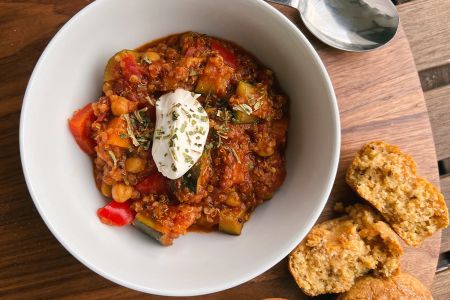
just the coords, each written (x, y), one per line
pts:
(111, 66)
(240, 117)
(192, 180)
(161, 237)
(232, 221)
(148, 230)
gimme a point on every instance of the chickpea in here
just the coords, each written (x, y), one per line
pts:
(121, 192)
(134, 79)
(152, 55)
(119, 105)
(134, 164)
(106, 190)
(107, 89)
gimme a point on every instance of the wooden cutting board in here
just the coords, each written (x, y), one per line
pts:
(380, 98)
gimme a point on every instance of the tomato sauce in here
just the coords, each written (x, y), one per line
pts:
(243, 163)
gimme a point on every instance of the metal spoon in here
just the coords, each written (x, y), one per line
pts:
(351, 25)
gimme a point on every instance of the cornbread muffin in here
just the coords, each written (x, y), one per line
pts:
(338, 251)
(399, 287)
(386, 178)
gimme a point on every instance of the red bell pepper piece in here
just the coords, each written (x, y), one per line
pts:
(80, 126)
(153, 184)
(228, 57)
(116, 214)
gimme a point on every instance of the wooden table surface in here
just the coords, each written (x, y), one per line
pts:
(34, 265)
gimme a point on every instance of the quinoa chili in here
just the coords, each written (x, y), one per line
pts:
(243, 161)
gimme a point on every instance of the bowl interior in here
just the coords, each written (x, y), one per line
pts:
(60, 178)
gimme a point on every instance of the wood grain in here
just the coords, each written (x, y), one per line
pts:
(445, 188)
(435, 77)
(426, 24)
(379, 97)
(438, 103)
(440, 289)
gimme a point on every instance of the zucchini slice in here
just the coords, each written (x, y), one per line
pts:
(113, 68)
(152, 229)
(245, 89)
(231, 221)
(205, 85)
(197, 175)
(241, 117)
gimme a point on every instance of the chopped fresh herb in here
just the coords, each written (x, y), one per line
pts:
(188, 159)
(123, 135)
(235, 154)
(243, 108)
(183, 127)
(137, 115)
(173, 167)
(185, 111)
(175, 115)
(147, 59)
(207, 100)
(174, 155)
(113, 157)
(150, 101)
(257, 105)
(130, 130)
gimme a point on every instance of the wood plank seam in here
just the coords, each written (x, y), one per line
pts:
(435, 77)
(444, 166)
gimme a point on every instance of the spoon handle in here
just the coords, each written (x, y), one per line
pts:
(293, 3)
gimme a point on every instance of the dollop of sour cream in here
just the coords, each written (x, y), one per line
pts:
(181, 130)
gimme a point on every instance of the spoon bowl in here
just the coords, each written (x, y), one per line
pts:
(351, 25)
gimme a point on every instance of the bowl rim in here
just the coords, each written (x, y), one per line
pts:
(219, 287)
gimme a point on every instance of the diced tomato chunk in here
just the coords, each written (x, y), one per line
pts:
(190, 51)
(130, 66)
(228, 57)
(80, 126)
(153, 184)
(116, 214)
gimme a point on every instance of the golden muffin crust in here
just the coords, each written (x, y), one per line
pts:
(399, 287)
(386, 177)
(338, 251)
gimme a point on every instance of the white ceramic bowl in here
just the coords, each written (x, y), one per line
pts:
(59, 174)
